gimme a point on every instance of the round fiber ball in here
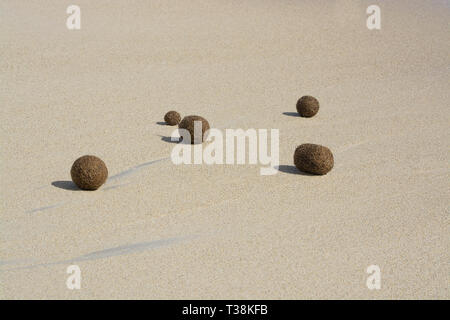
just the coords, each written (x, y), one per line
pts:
(89, 172)
(188, 124)
(172, 118)
(307, 106)
(313, 158)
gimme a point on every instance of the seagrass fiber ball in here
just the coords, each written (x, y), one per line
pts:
(313, 158)
(172, 118)
(89, 172)
(307, 106)
(188, 124)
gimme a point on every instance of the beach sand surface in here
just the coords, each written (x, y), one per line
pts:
(157, 230)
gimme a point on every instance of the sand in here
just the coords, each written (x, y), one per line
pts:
(156, 230)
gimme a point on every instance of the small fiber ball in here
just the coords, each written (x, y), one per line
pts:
(172, 118)
(313, 158)
(89, 172)
(188, 124)
(307, 106)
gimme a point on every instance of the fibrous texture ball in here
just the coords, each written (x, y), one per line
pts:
(188, 124)
(307, 106)
(89, 172)
(172, 118)
(313, 158)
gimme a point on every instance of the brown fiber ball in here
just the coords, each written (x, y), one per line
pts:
(172, 118)
(307, 106)
(89, 172)
(188, 124)
(313, 158)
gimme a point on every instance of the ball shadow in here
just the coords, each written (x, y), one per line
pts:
(169, 139)
(292, 170)
(162, 123)
(66, 185)
(291, 114)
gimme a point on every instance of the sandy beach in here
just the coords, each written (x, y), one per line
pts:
(157, 230)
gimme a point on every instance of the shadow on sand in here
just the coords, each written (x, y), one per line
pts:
(66, 185)
(168, 139)
(292, 170)
(291, 114)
